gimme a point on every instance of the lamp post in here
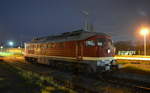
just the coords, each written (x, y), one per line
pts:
(144, 32)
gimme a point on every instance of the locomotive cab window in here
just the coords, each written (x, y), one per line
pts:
(90, 43)
(101, 41)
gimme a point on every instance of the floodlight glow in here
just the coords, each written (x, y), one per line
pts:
(1, 47)
(144, 31)
(11, 43)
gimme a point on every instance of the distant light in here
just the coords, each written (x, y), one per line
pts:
(1, 47)
(11, 43)
(19, 47)
(144, 31)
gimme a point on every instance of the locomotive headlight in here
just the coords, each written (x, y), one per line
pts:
(108, 51)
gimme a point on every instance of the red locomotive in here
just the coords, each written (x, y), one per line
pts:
(80, 49)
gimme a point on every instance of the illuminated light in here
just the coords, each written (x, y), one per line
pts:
(1, 47)
(133, 58)
(108, 51)
(5, 54)
(144, 31)
(19, 47)
(11, 43)
(15, 50)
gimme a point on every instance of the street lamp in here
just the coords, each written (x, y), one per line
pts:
(144, 32)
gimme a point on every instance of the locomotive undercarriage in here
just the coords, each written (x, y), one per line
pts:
(77, 66)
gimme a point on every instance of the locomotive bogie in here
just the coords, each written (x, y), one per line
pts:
(105, 64)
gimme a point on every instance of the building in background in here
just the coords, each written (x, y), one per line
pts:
(131, 48)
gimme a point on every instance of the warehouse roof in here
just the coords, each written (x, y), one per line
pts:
(67, 36)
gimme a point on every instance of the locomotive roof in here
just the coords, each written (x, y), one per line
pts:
(67, 36)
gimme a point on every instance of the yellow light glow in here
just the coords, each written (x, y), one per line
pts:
(144, 31)
(146, 58)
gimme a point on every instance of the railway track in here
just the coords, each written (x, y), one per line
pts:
(137, 86)
(83, 83)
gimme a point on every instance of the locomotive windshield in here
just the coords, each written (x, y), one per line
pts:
(103, 41)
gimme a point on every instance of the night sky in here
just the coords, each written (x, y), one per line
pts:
(22, 20)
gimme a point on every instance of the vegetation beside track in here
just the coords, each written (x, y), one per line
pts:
(12, 82)
(36, 82)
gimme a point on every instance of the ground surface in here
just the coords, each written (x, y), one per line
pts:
(142, 69)
(13, 80)
(10, 82)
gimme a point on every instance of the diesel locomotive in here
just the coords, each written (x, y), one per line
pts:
(90, 51)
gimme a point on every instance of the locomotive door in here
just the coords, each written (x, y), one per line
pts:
(79, 52)
(90, 48)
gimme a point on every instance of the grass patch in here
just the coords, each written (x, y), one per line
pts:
(12, 82)
(45, 84)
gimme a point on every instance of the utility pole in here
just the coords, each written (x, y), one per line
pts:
(144, 44)
(144, 32)
(86, 14)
